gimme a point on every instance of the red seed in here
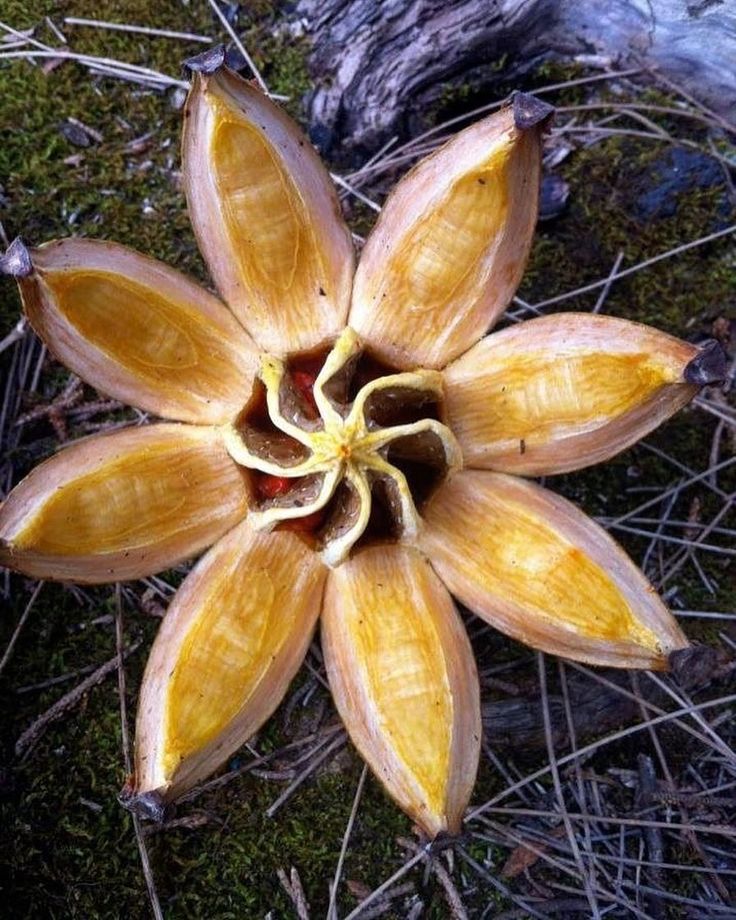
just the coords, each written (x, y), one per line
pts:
(270, 486)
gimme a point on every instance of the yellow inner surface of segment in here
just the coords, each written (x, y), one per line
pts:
(129, 502)
(440, 263)
(527, 396)
(516, 556)
(242, 625)
(398, 648)
(146, 332)
(264, 213)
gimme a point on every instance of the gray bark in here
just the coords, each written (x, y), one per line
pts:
(376, 65)
(517, 722)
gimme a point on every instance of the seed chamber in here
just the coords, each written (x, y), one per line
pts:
(342, 448)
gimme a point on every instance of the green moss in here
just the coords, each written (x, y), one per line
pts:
(134, 198)
(456, 98)
(286, 71)
(609, 181)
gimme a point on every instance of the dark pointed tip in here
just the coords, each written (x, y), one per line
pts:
(695, 666)
(445, 840)
(708, 366)
(530, 112)
(208, 62)
(16, 261)
(147, 805)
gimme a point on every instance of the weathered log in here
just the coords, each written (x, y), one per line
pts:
(517, 723)
(378, 65)
(596, 707)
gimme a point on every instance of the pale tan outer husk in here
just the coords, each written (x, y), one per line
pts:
(186, 492)
(299, 581)
(427, 338)
(453, 538)
(320, 316)
(393, 590)
(473, 391)
(210, 383)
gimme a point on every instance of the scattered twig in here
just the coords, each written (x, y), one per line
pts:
(499, 885)
(376, 894)
(127, 758)
(652, 835)
(16, 333)
(18, 629)
(231, 775)
(55, 29)
(718, 830)
(526, 854)
(558, 787)
(238, 44)
(187, 822)
(31, 735)
(139, 30)
(452, 896)
(609, 281)
(594, 746)
(624, 273)
(54, 681)
(332, 909)
(293, 887)
(308, 770)
(671, 84)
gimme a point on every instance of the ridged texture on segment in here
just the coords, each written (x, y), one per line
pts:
(562, 392)
(450, 246)
(404, 681)
(122, 505)
(139, 331)
(230, 644)
(537, 568)
(266, 215)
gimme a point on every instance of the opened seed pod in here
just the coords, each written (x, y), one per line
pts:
(346, 443)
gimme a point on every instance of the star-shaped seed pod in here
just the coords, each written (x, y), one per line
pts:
(348, 442)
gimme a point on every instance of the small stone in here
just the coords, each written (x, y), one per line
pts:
(177, 98)
(553, 196)
(74, 133)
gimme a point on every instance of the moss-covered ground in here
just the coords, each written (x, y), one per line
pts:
(66, 846)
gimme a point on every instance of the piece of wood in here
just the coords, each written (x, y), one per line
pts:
(31, 735)
(380, 65)
(517, 723)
